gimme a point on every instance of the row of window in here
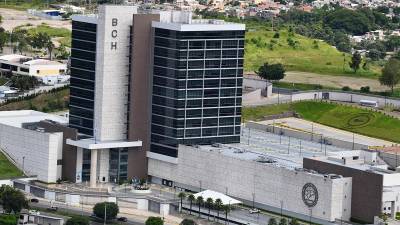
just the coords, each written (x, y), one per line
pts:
(198, 54)
(198, 64)
(188, 123)
(197, 44)
(197, 103)
(195, 113)
(193, 132)
(193, 74)
(199, 34)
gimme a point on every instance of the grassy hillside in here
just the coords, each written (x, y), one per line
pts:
(361, 121)
(310, 55)
(7, 169)
(46, 102)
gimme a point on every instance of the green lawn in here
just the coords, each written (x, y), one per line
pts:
(310, 56)
(51, 31)
(24, 5)
(7, 169)
(362, 121)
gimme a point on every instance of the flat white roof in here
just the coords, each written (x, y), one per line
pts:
(90, 143)
(90, 18)
(226, 200)
(13, 57)
(42, 62)
(223, 26)
(18, 117)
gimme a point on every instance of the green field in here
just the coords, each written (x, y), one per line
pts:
(7, 169)
(354, 119)
(23, 5)
(309, 56)
(63, 33)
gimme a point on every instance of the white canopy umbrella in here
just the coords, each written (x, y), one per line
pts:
(226, 200)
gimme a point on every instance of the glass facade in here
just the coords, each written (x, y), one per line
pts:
(83, 65)
(118, 164)
(197, 88)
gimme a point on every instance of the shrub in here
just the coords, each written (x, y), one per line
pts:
(8, 219)
(276, 35)
(346, 88)
(111, 210)
(152, 220)
(365, 89)
(78, 220)
(187, 222)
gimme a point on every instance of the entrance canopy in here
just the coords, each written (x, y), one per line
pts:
(90, 143)
(226, 200)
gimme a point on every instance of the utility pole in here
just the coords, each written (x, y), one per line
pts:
(105, 212)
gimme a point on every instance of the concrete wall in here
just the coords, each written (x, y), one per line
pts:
(345, 97)
(266, 87)
(41, 150)
(112, 72)
(270, 184)
(305, 136)
(366, 192)
(68, 171)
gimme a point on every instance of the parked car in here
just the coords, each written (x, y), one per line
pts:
(123, 219)
(252, 211)
(34, 212)
(53, 208)
(35, 200)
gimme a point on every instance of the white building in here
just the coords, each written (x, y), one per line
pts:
(47, 71)
(272, 183)
(32, 149)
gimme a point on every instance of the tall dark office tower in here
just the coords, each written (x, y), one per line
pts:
(83, 64)
(197, 84)
(144, 82)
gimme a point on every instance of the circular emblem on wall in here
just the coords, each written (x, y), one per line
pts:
(310, 195)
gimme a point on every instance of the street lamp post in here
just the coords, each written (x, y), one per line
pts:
(23, 164)
(105, 213)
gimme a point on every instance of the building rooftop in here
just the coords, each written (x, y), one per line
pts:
(41, 62)
(19, 117)
(265, 147)
(13, 57)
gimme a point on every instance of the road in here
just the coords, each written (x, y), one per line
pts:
(353, 82)
(43, 204)
(43, 88)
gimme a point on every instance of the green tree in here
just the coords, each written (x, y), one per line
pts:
(12, 200)
(152, 220)
(391, 74)
(218, 205)
(191, 199)
(272, 221)
(209, 204)
(200, 201)
(182, 195)
(294, 221)
(355, 61)
(187, 222)
(8, 219)
(62, 52)
(283, 221)
(78, 220)
(271, 72)
(111, 210)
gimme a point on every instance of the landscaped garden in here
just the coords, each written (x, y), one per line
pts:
(353, 119)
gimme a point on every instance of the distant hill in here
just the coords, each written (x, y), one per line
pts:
(304, 54)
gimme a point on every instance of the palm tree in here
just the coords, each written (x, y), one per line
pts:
(200, 200)
(209, 204)
(191, 198)
(182, 195)
(218, 205)
(226, 208)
